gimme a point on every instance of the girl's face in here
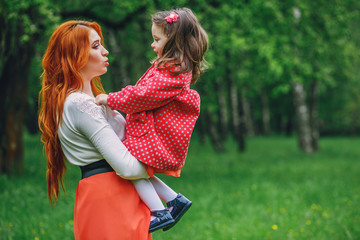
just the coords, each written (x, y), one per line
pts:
(160, 39)
(97, 62)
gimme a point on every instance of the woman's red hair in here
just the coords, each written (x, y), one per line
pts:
(67, 53)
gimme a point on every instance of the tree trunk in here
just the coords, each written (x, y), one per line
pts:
(223, 112)
(241, 137)
(235, 117)
(302, 114)
(289, 125)
(235, 114)
(16, 59)
(200, 128)
(214, 135)
(265, 112)
(14, 79)
(119, 73)
(314, 124)
(249, 124)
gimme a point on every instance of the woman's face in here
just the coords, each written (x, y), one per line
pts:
(97, 62)
(160, 39)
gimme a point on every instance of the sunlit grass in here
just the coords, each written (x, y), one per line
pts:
(273, 191)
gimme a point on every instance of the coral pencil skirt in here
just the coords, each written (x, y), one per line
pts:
(108, 207)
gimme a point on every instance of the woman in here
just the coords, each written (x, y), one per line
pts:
(76, 129)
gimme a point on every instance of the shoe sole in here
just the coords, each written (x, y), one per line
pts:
(183, 211)
(165, 224)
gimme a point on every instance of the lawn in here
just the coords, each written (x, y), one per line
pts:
(272, 191)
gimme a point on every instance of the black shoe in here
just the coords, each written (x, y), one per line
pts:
(163, 219)
(179, 206)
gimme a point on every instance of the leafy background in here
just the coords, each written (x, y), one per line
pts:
(245, 173)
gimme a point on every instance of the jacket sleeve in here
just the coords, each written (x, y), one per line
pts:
(158, 89)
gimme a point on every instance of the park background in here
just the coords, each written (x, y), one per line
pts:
(275, 153)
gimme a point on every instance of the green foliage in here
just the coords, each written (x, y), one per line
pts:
(271, 192)
(263, 46)
(32, 17)
(26, 25)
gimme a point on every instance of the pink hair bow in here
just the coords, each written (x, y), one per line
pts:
(172, 17)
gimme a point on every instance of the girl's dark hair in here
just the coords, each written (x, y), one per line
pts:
(187, 42)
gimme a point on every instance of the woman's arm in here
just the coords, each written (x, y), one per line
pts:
(117, 155)
(91, 122)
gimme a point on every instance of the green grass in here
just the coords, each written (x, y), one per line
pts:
(273, 191)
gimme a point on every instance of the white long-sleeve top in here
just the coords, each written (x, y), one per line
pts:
(89, 133)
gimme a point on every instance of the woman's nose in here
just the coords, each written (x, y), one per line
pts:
(105, 52)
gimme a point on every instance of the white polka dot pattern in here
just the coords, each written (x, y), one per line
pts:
(162, 111)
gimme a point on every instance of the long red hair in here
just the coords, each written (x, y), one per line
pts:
(68, 52)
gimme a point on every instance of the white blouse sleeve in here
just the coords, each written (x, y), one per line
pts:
(92, 123)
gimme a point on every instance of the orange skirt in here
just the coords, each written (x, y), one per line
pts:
(108, 207)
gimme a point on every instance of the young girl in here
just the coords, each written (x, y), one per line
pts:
(162, 110)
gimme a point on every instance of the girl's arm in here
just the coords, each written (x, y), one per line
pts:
(159, 90)
(101, 99)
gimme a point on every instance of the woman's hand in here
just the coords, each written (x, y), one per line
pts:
(101, 99)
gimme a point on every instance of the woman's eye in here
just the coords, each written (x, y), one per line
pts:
(96, 46)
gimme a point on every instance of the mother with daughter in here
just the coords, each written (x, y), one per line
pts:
(75, 129)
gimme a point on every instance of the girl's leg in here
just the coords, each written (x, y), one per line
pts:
(160, 216)
(148, 194)
(163, 190)
(177, 203)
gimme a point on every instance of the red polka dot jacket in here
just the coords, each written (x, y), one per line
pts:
(161, 114)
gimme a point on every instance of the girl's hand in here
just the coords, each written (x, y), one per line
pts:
(101, 99)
